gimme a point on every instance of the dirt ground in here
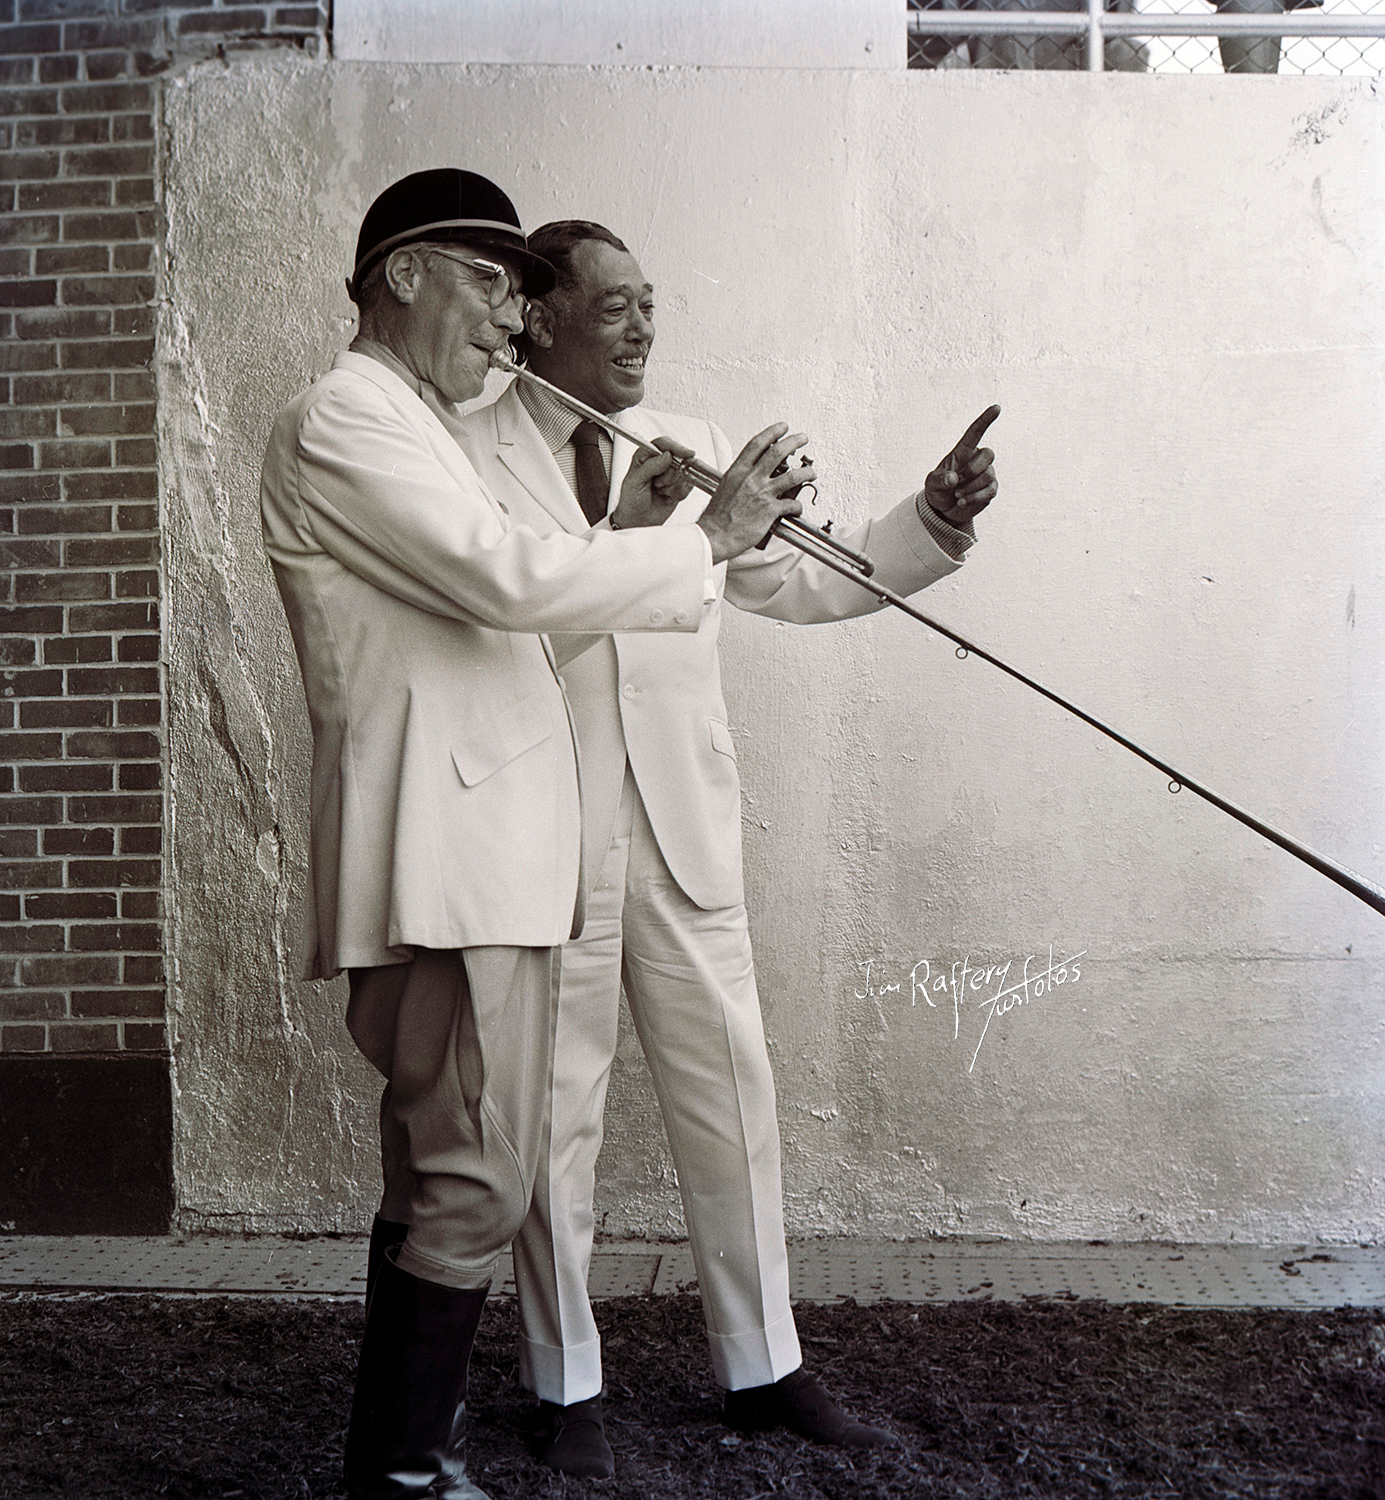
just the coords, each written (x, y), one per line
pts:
(131, 1396)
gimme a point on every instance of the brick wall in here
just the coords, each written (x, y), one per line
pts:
(81, 705)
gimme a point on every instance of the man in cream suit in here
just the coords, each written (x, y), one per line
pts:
(445, 831)
(662, 856)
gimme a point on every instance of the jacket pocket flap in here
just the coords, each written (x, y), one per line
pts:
(499, 738)
(721, 738)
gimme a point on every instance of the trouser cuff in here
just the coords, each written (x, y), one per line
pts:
(560, 1374)
(461, 1277)
(759, 1356)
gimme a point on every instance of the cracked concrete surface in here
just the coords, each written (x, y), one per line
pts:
(259, 1060)
(1138, 269)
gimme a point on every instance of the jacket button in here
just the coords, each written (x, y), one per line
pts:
(681, 618)
(629, 689)
(656, 617)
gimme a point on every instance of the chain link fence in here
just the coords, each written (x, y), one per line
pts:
(934, 43)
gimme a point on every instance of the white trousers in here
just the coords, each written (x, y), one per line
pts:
(690, 984)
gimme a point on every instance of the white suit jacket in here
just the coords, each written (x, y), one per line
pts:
(657, 700)
(444, 801)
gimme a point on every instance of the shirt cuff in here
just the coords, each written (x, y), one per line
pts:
(709, 577)
(956, 541)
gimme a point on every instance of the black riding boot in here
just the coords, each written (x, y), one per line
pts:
(407, 1438)
(384, 1234)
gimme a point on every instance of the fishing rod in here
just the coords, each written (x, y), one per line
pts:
(826, 549)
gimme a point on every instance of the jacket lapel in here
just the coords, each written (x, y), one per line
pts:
(525, 454)
(427, 415)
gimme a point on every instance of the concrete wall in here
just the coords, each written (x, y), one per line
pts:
(1172, 285)
(627, 33)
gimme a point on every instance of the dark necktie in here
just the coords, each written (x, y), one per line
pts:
(593, 483)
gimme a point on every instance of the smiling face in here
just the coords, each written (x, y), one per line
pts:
(592, 339)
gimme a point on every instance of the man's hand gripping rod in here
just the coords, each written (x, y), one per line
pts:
(853, 565)
(701, 476)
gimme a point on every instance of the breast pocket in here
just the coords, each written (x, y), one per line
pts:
(491, 741)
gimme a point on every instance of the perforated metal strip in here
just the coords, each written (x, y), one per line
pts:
(819, 1271)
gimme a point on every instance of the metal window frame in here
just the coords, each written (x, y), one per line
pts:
(1096, 24)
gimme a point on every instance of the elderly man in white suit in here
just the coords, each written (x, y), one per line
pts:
(445, 830)
(662, 856)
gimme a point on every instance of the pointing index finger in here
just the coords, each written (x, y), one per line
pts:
(973, 435)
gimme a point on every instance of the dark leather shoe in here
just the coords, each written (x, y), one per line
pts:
(575, 1439)
(800, 1403)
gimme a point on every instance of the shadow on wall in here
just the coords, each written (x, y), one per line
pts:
(88, 1144)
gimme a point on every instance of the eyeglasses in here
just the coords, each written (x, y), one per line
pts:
(499, 287)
